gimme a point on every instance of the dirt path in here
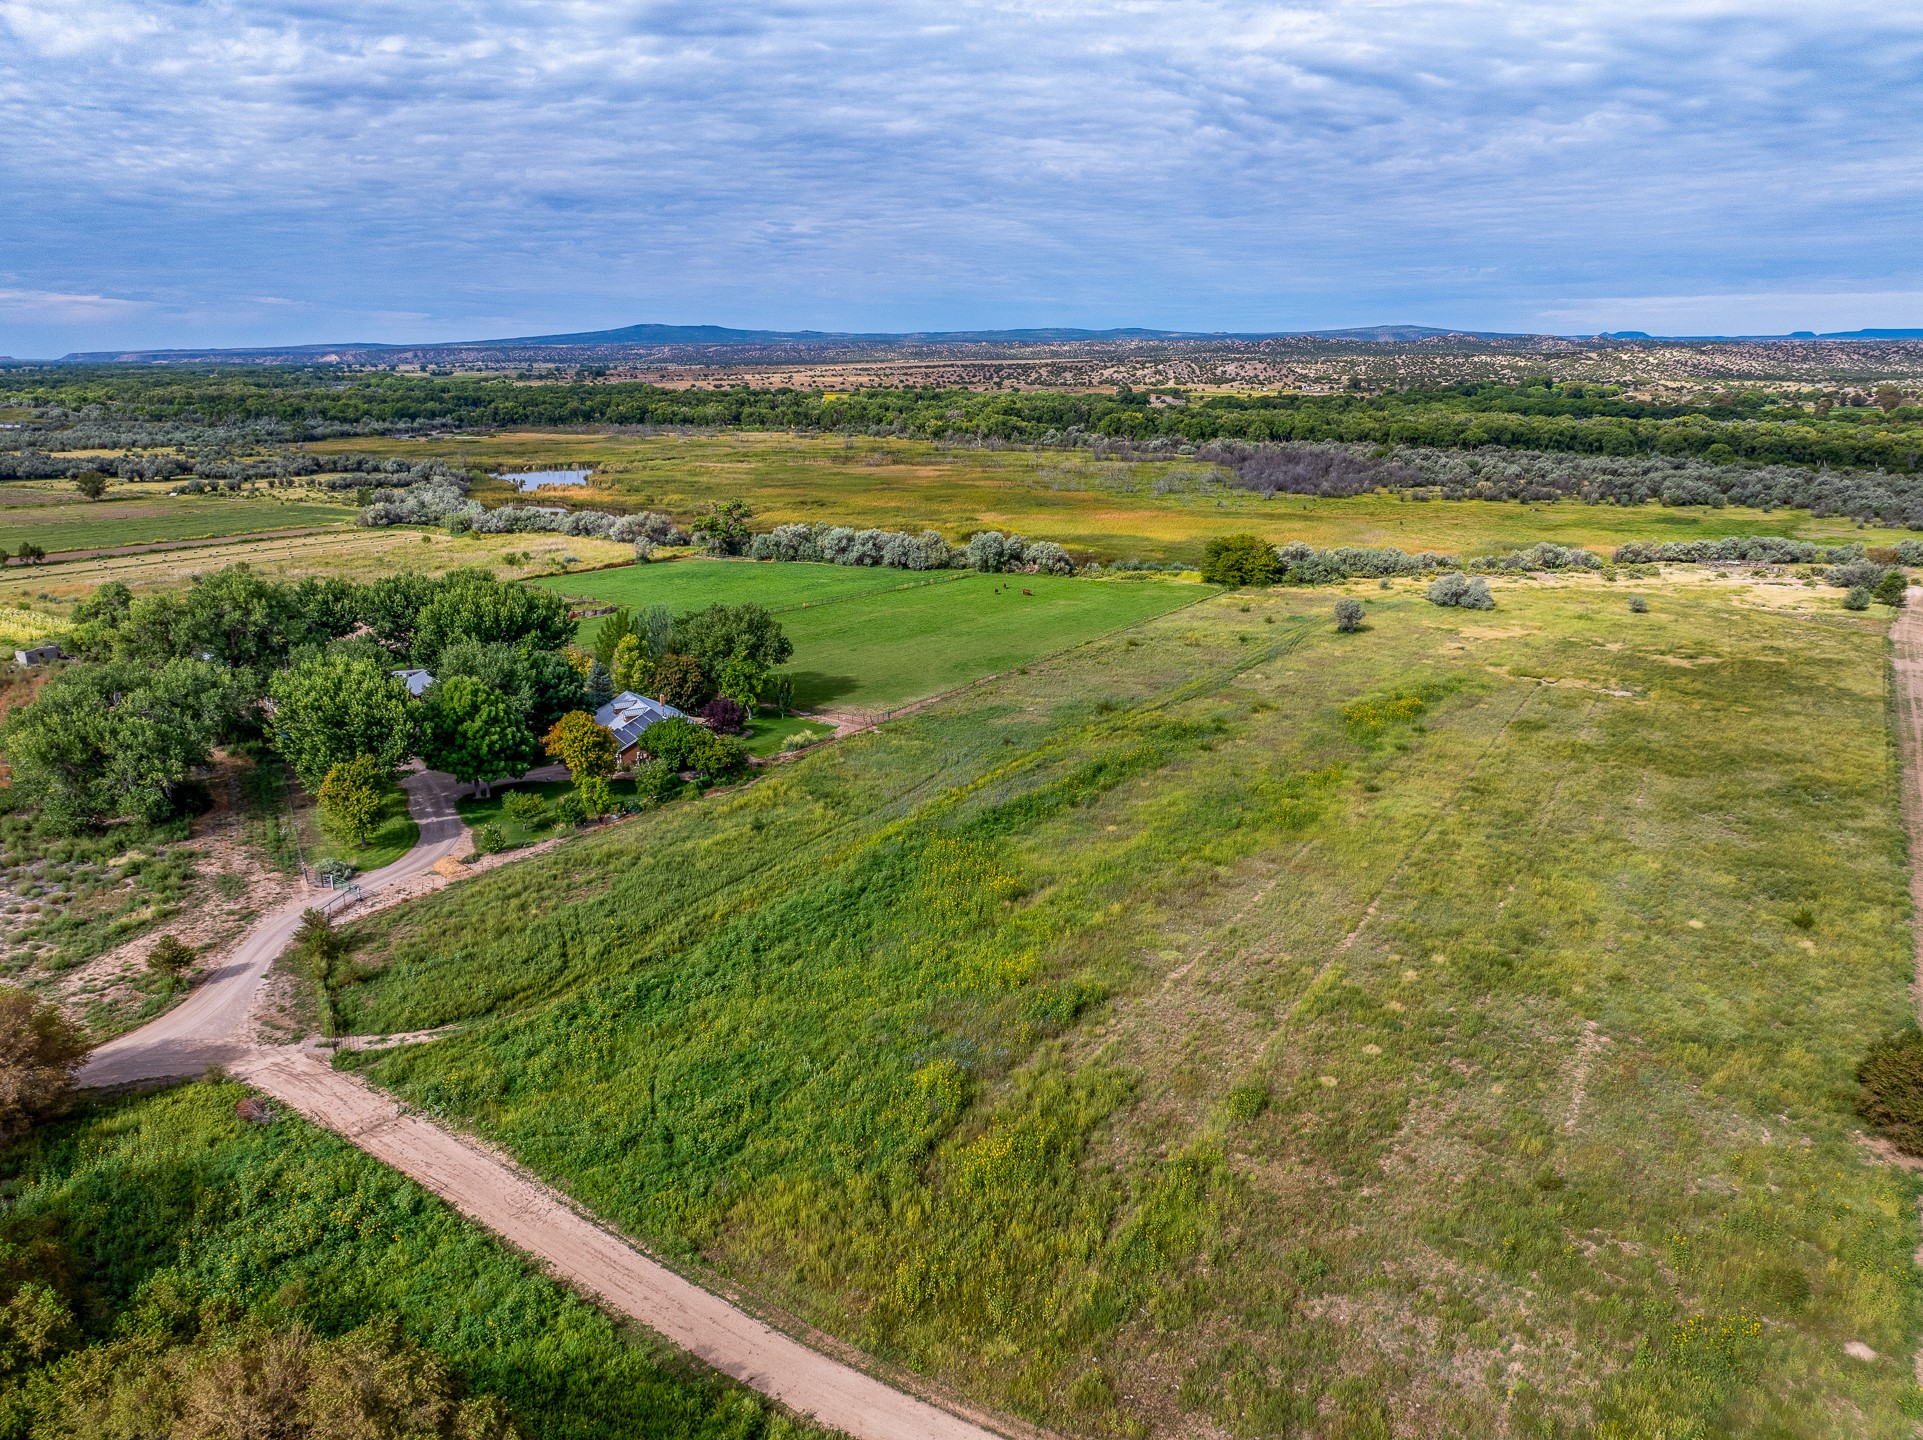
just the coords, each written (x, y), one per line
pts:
(1906, 663)
(1906, 660)
(207, 1028)
(533, 1218)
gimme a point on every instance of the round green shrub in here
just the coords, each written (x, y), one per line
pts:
(1857, 599)
(1638, 605)
(525, 806)
(489, 839)
(1891, 1099)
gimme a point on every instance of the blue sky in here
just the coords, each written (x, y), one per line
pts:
(181, 172)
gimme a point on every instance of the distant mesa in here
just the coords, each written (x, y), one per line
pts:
(705, 344)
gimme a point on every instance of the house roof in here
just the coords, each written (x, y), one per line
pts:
(417, 680)
(628, 714)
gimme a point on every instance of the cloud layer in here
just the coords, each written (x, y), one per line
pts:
(204, 170)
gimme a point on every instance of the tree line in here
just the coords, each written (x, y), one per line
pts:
(1581, 419)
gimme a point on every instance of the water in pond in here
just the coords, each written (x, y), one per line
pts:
(535, 479)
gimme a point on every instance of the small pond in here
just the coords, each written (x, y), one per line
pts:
(535, 479)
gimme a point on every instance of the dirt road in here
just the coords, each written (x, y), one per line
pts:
(1906, 644)
(533, 1218)
(208, 1027)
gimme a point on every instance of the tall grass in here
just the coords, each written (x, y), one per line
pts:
(1221, 1023)
(144, 1209)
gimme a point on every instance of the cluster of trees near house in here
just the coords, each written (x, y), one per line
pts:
(304, 671)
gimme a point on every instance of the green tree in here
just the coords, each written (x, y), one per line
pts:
(724, 529)
(91, 484)
(632, 668)
(474, 733)
(351, 795)
(680, 681)
(744, 679)
(720, 633)
(596, 798)
(116, 740)
(609, 634)
(170, 956)
(1240, 560)
(473, 605)
(334, 708)
(39, 1051)
(1892, 588)
(541, 683)
(581, 745)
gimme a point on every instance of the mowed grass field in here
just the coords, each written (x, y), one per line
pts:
(868, 639)
(1106, 510)
(690, 584)
(1235, 1027)
(65, 526)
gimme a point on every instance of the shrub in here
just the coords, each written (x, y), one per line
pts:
(489, 839)
(1890, 590)
(335, 872)
(1458, 589)
(1542, 556)
(797, 742)
(725, 716)
(717, 756)
(670, 741)
(1865, 574)
(1348, 615)
(1891, 1099)
(1857, 599)
(525, 806)
(351, 795)
(1638, 605)
(170, 956)
(595, 797)
(657, 780)
(1240, 560)
(39, 1051)
(568, 810)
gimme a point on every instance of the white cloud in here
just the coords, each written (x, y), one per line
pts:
(1209, 164)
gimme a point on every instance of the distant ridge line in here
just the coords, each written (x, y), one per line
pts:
(722, 337)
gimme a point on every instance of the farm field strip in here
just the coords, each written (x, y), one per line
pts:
(74, 527)
(690, 584)
(1388, 995)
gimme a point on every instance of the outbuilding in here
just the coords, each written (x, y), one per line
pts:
(417, 681)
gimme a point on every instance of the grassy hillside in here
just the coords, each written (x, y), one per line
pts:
(149, 1217)
(1437, 1029)
(1161, 510)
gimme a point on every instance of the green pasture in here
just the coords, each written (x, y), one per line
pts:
(901, 645)
(1102, 509)
(1233, 1025)
(874, 643)
(144, 1214)
(691, 584)
(65, 526)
